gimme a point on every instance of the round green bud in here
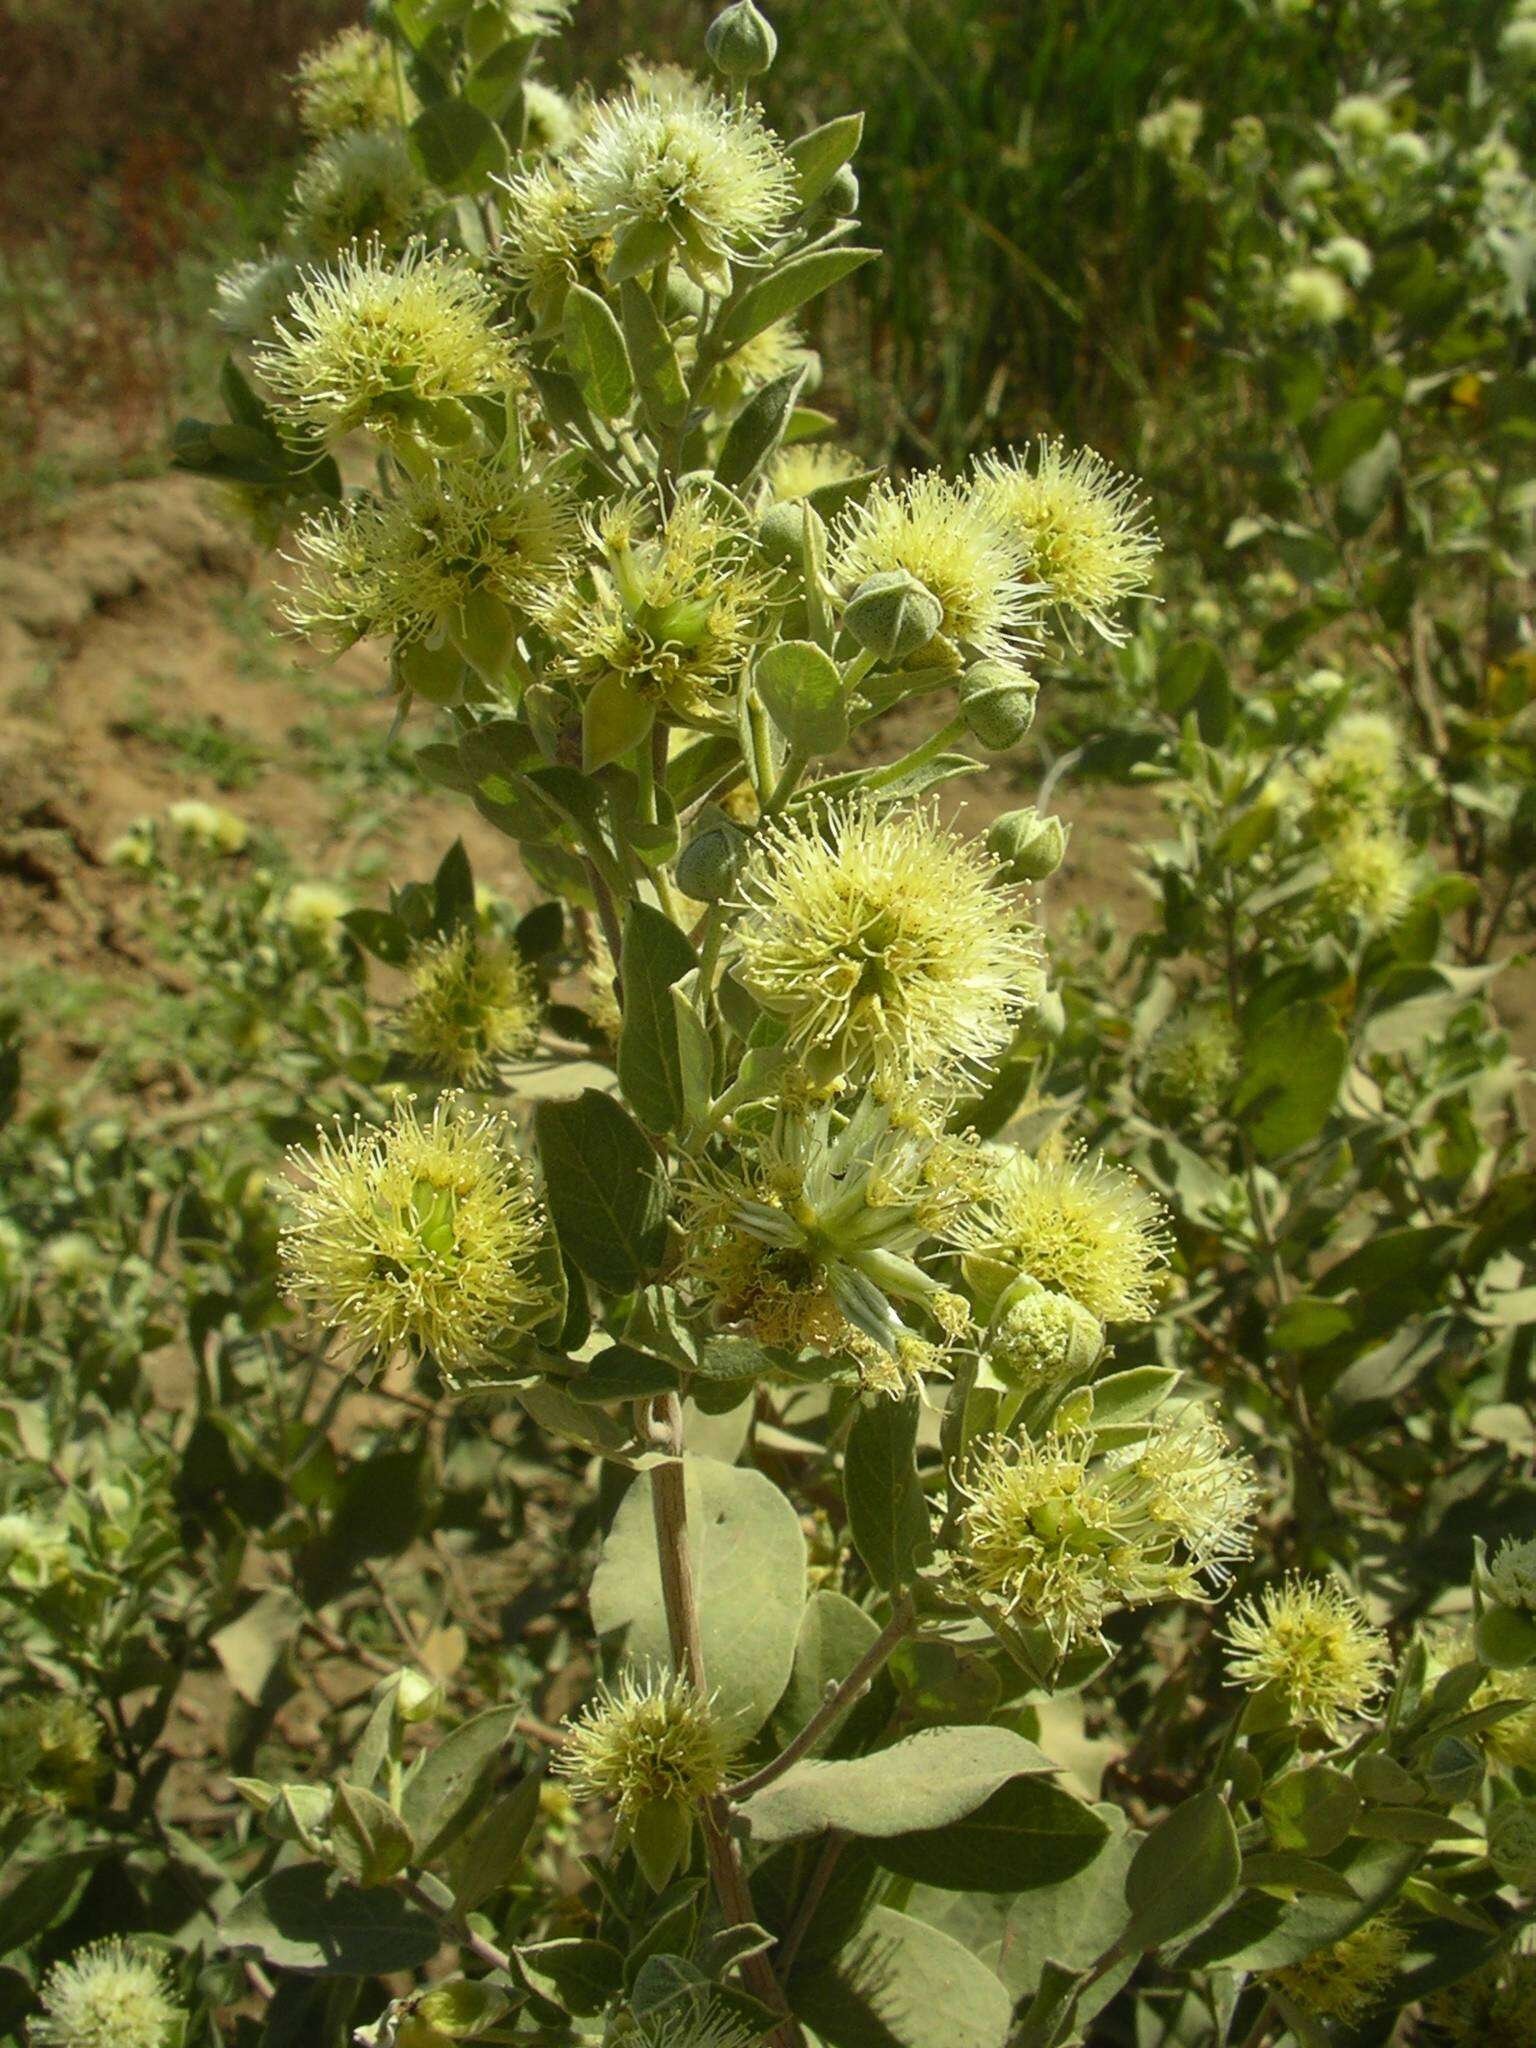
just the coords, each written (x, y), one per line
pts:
(709, 864)
(781, 532)
(999, 704)
(842, 194)
(1512, 1842)
(892, 615)
(741, 42)
(1040, 1338)
(1029, 845)
(1050, 1018)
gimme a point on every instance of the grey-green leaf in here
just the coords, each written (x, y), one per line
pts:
(927, 1780)
(902, 1984)
(887, 1514)
(604, 1188)
(1028, 1835)
(1292, 1066)
(758, 429)
(791, 284)
(802, 689)
(446, 1786)
(820, 154)
(656, 954)
(599, 360)
(1184, 1871)
(300, 1919)
(748, 1553)
(458, 147)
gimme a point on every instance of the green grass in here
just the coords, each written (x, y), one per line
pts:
(233, 758)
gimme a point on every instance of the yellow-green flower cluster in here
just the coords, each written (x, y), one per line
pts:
(648, 1740)
(474, 1003)
(1512, 1574)
(1086, 534)
(1493, 2008)
(689, 175)
(50, 1755)
(111, 1995)
(1192, 1061)
(404, 567)
(388, 345)
(350, 85)
(1074, 1223)
(808, 466)
(811, 1238)
(1349, 1979)
(672, 610)
(358, 188)
(1057, 1534)
(1040, 1339)
(419, 1234)
(249, 298)
(1310, 1647)
(1368, 879)
(886, 944)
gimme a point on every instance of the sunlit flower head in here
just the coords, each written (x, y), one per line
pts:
(1083, 531)
(474, 1003)
(695, 2025)
(647, 1740)
(1313, 296)
(1348, 1979)
(674, 607)
(549, 118)
(35, 1552)
(1369, 878)
(1310, 1645)
(938, 533)
(1493, 2008)
(315, 909)
(50, 1755)
(110, 1995)
(1172, 130)
(350, 84)
(808, 466)
(375, 343)
(1040, 1339)
(1075, 1223)
(208, 826)
(700, 177)
(1512, 1574)
(1358, 771)
(1348, 255)
(404, 567)
(813, 1235)
(358, 188)
(1059, 1536)
(250, 297)
(418, 1234)
(1362, 116)
(885, 943)
(1192, 1060)
(547, 243)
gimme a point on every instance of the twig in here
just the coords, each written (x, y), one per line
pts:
(811, 1898)
(838, 1697)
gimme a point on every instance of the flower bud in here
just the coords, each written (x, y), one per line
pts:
(741, 42)
(842, 194)
(1512, 1842)
(892, 615)
(1042, 1338)
(1029, 845)
(781, 532)
(708, 865)
(999, 704)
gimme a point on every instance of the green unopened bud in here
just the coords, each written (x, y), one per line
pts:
(741, 41)
(1040, 1338)
(892, 615)
(781, 531)
(708, 865)
(842, 194)
(1029, 845)
(999, 704)
(417, 1697)
(1512, 1842)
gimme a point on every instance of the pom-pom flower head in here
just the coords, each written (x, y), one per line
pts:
(886, 944)
(692, 175)
(1059, 1536)
(1357, 773)
(932, 530)
(474, 1002)
(808, 466)
(419, 1234)
(1040, 1340)
(405, 567)
(1369, 879)
(50, 1755)
(1512, 1574)
(1312, 1648)
(1493, 2008)
(350, 84)
(110, 1995)
(1085, 534)
(250, 297)
(1192, 1060)
(647, 1740)
(355, 189)
(1078, 1224)
(1349, 1979)
(1311, 296)
(386, 345)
